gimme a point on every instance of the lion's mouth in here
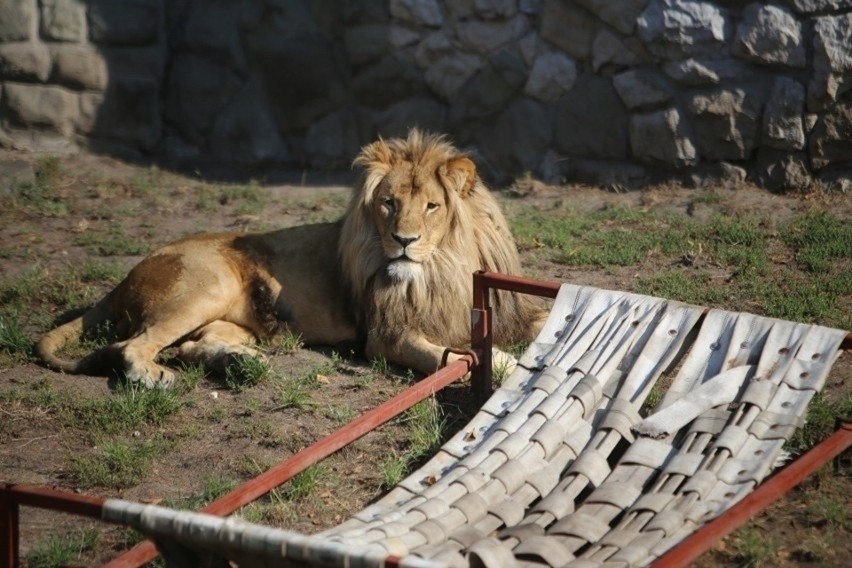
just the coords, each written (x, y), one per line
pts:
(401, 258)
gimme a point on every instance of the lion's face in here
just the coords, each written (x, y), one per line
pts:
(410, 212)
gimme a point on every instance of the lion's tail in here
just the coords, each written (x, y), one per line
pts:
(59, 337)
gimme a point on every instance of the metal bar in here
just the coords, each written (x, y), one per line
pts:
(55, 500)
(773, 488)
(8, 530)
(517, 284)
(481, 340)
(272, 478)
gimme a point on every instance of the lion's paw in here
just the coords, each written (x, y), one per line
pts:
(150, 375)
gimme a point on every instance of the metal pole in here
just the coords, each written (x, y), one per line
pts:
(272, 478)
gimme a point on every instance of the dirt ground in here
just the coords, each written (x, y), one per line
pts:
(220, 433)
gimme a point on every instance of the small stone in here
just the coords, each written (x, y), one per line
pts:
(418, 12)
(782, 117)
(25, 62)
(63, 20)
(770, 35)
(552, 75)
(214, 395)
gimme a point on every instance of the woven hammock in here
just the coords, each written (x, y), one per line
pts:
(560, 467)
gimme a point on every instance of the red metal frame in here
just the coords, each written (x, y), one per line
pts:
(13, 496)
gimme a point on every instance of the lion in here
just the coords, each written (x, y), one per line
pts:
(393, 276)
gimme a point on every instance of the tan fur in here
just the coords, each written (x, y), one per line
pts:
(412, 315)
(214, 295)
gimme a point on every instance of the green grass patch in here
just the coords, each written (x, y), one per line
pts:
(116, 464)
(820, 421)
(64, 550)
(305, 483)
(44, 196)
(131, 406)
(114, 241)
(819, 239)
(246, 371)
(213, 487)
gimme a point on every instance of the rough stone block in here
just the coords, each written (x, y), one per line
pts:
(490, 89)
(423, 111)
(831, 138)
(620, 14)
(591, 121)
(832, 60)
(211, 29)
(42, 106)
(704, 72)
(553, 74)
(520, 136)
(660, 138)
(819, 6)
(390, 80)
(449, 74)
(569, 28)
(79, 67)
(400, 36)
(332, 141)
(63, 20)
(486, 36)
(782, 171)
(770, 35)
(129, 22)
(245, 131)
(491, 9)
(197, 92)
(609, 49)
(418, 12)
(128, 112)
(782, 118)
(16, 19)
(676, 29)
(25, 61)
(642, 88)
(435, 46)
(725, 122)
(364, 44)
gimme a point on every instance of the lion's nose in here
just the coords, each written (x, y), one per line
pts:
(404, 241)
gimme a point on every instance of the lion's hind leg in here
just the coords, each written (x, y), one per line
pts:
(217, 345)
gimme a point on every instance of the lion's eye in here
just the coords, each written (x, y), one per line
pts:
(431, 206)
(388, 202)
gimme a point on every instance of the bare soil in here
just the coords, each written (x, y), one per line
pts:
(236, 435)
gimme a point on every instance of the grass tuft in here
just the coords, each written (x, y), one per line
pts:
(246, 371)
(64, 550)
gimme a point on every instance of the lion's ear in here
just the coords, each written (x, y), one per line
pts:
(376, 159)
(458, 174)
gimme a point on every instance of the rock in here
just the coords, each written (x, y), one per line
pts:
(660, 138)
(418, 12)
(460, 9)
(782, 117)
(245, 131)
(727, 122)
(16, 18)
(782, 171)
(486, 36)
(531, 7)
(837, 180)
(129, 22)
(705, 72)
(676, 29)
(449, 74)
(80, 67)
(24, 61)
(569, 28)
(590, 120)
(553, 74)
(365, 11)
(552, 168)
(436, 46)
(819, 6)
(129, 111)
(620, 14)
(365, 44)
(400, 36)
(63, 20)
(491, 9)
(490, 89)
(520, 136)
(422, 111)
(332, 141)
(832, 60)
(39, 105)
(530, 46)
(197, 92)
(321, 87)
(390, 80)
(147, 61)
(210, 30)
(609, 49)
(641, 88)
(831, 139)
(770, 35)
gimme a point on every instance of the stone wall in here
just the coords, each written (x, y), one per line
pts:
(611, 91)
